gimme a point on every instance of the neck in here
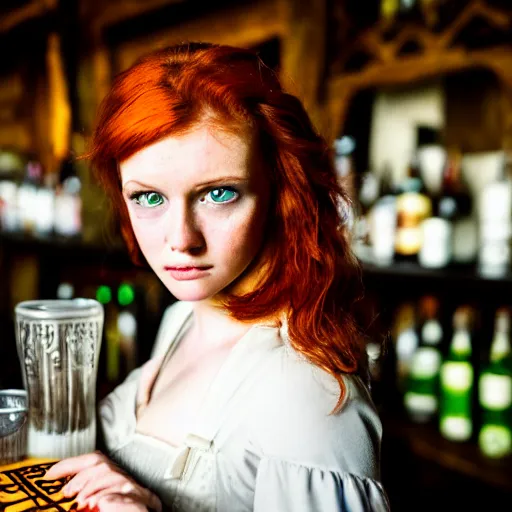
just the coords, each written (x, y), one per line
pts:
(213, 326)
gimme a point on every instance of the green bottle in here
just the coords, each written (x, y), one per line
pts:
(457, 376)
(495, 392)
(421, 399)
(406, 342)
(112, 341)
(127, 327)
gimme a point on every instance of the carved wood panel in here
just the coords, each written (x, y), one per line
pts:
(415, 52)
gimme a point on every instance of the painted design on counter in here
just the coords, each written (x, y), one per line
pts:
(23, 488)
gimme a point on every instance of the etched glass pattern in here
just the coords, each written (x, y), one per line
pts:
(58, 345)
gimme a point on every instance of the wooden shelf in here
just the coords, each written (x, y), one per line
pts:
(453, 279)
(425, 442)
(60, 247)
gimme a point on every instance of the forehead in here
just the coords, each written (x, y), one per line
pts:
(197, 153)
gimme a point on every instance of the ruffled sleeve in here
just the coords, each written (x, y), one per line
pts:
(291, 487)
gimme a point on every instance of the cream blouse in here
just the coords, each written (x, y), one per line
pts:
(265, 441)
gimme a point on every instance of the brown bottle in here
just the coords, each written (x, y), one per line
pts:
(413, 207)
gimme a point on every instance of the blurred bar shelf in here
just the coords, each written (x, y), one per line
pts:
(424, 441)
(61, 247)
(456, 278)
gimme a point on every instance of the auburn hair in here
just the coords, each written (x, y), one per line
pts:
(312, 273)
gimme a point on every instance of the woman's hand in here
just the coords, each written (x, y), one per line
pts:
(98, 483)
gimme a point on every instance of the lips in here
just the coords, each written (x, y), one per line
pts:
(187, 267)
(183, 273)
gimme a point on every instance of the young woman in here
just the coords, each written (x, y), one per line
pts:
(254, 399)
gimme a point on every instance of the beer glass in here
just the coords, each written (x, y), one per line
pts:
(58, 344)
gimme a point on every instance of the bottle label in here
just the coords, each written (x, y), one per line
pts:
(425, 363)
(457, 376)
(432, 333)
(461, 343)
(495, 391)
(420, 404)
(495, 440)
(456, 428)
(412, 209)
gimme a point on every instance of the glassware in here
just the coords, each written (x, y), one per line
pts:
(58, 345)
(13, 425)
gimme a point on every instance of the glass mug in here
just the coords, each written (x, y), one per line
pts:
(58, 344)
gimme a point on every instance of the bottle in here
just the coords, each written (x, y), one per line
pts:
(9, 221)
(413, 207)
(456, 206)
(127, 327)
(495, 392)
(368, 195)
(495, 223)
(457, 376)
(112, 337)
(406, 342)
(344, 148)
(421, 399)
(388, 10)
(65, 291)
(27, 196)
(45, 205)
(68, 202)
(382, 221)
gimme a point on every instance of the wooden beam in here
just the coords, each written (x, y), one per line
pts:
(409, 70)
(105, 14)
(238, 26)
(304, 53)
(32, 10)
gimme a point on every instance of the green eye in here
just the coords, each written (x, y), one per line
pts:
(222, 195)
(148, 199)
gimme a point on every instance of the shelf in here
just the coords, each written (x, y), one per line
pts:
(60, 247)
(453, 279)
(425, 442)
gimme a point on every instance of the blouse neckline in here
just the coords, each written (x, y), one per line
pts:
(226, 389)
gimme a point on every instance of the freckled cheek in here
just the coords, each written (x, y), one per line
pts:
(243, 231)
(149, 235)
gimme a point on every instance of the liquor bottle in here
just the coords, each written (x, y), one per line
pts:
(406, 342)
(421, 399)
(27, 196)
(389, 9)
(68, 202)
(495, 392)
(344, 148)
(456, 380)
(45, 205)
(112, 338)
(496, 223)
(65, 290)
(455, 206)
(127, 327)
(413, 207)
(382, 220)
(368, 195)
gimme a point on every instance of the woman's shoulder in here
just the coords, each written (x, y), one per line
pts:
(293, 419)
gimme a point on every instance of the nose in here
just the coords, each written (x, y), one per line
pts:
(183, 234)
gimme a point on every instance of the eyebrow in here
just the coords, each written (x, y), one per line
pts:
(216, 181)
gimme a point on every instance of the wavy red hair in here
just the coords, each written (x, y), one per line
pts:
(312, 273)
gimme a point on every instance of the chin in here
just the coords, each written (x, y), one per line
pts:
(189, 291)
